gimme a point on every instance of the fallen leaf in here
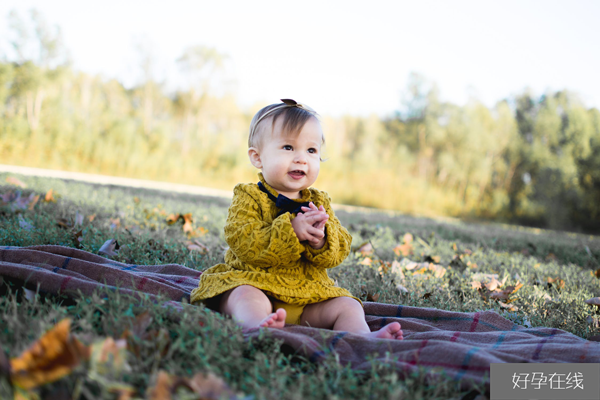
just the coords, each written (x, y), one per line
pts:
(366, 249)
(594, 301)
(432, 259)
(493, 284)
(505, 294)
(63, 223)
(559, 283)
(407, 238)
(14, 181)
(210, 386)
(24, 224)
(139, 325)
(198, 232)
(162, 389)
(401, 289)
(384, 267)
(33, 202)
(136, 200)
(171, 219)
(426, 296)
(109, 357)
(551, 257)
(50, 358)
(372, 297)
(508, 307)
(110, 248)
(187, 223)
(405, 249)
(115, 223)
(204, 386)
(77, 238)
(91, 217)
(366, 261)
(197, 246)
(139, 331)
(49, 196)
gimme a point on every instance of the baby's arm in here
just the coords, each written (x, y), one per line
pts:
(258, 242)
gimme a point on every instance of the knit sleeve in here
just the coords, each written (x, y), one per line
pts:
(337, 242)
(255, 241)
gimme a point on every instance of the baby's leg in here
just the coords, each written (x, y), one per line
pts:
(345, 314)
(251, 308)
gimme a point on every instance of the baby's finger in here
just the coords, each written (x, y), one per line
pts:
(321, 225)
(316, 232)
(313, 219)
(321, 208)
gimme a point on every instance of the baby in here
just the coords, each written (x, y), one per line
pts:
(283, 236)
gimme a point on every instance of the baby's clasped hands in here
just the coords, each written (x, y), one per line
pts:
(310, 225)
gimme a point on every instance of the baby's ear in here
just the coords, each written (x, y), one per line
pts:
(254, 157)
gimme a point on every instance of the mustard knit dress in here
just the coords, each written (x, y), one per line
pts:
(264, 251)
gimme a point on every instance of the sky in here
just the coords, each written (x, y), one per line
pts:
(339, 57)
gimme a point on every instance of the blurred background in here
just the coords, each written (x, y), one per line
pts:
(470, 109)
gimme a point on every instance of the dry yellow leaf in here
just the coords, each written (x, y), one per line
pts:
(366, 261)
(405, 249)
(205, 386)
(162, 389)
(187, 223)
(53, 356)
(49, 196)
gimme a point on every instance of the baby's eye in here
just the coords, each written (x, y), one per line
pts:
(313, 151)
(287, 147)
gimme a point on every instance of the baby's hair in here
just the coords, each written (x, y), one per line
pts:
(294, 114)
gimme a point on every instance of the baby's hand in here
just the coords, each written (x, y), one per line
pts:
(313, 210)
(318, 240)
(310, 225)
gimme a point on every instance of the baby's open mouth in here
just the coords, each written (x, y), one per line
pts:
(296, 174)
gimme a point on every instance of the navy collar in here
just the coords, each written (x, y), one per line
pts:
(285, 204)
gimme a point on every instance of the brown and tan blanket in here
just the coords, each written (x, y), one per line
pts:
(448, 344)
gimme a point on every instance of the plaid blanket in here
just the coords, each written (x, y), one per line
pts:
(460, 346)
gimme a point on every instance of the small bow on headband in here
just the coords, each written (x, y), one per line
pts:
(294, 103)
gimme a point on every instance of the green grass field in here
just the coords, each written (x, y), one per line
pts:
(557, 272)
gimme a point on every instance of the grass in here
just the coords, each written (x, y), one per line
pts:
(204, 341)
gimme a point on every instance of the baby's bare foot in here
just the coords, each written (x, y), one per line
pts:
(275, 320)
(390, 331)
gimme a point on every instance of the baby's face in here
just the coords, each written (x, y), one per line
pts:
(291, 163)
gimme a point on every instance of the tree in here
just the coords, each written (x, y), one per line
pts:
(39, 58)
(199, 64)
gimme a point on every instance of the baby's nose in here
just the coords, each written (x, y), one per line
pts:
(300, 158)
